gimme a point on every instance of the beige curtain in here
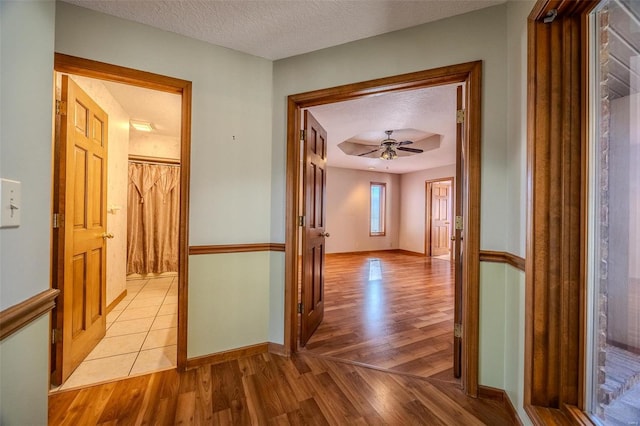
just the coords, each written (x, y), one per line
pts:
(152, 218)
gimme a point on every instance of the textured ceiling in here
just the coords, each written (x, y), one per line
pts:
(279, 29)
(431, 111)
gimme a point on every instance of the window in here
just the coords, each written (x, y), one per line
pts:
(614, 213)
(377, 209)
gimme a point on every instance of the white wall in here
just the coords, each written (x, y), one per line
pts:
(154, 145)
(26, 99)
(230, 195)
(117, 183)
(412, 211)
(514, 301)
(348, 210)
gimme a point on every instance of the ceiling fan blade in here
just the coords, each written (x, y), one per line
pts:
(367, 153)
(414, 150)
(405, 143)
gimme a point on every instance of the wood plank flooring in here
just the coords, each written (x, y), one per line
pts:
(389, 310)
(269, 389)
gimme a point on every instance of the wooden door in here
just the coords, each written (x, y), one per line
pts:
(440, 218)
(457, 237)
(314, 233)
(80, 197)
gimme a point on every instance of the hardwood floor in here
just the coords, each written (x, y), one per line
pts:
(389, 310)
(269, 389)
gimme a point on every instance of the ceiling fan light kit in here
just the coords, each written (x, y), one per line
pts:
(389, 154)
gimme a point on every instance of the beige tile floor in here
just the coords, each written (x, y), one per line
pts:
(141, 334)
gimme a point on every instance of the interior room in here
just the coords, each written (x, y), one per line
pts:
(367, 316)
(142, 208)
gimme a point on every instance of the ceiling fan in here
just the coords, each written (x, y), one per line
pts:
(389, 146)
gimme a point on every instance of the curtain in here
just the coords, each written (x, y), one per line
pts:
(152, 218)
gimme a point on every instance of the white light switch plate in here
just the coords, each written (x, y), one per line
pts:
(10, 205)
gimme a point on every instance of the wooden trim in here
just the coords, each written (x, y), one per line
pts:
(116, 301)
(277, 349)
(495, 394)
(373, 252)
(469, 74)
(103, 71)
(556, 215)
(407, 252)
(229, 355)
(577, 416)
(503, 257)
(513, 413)
(17, 316)
(235, 248)
(488, 392)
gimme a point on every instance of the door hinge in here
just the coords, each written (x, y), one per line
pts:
(457, 330)
(460, 116)
(57, 218)
(300, 308)
(56, 336)
(61, 108)
(459, 223)
(300, 220)
(303, 134)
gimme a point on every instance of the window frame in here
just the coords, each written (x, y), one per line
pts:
(383, 209)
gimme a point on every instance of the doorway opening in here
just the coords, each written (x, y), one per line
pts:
(129, 203)
(469, 76)
(439, 207)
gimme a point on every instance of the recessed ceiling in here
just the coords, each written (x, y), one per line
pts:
(280, 29)
(432, 111)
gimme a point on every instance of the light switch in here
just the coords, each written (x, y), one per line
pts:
(10, 206)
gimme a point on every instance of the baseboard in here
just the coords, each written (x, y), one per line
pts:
(410, 253)
(229, 355)
(488, 392)
(116, 301)
(277, 349)
(495, 394)
(401, 251)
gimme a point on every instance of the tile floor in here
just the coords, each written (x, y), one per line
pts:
(141, 334)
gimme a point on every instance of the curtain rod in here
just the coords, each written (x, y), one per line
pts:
(153, 160)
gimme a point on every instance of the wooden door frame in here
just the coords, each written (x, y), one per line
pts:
(428, 184)
(469, 74)
(102, 71)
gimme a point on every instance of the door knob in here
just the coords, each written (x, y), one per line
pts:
(106, 235)
(325, 234)
(453, 238)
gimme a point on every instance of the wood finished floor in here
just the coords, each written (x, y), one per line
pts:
(269, 389)
(389, 310)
